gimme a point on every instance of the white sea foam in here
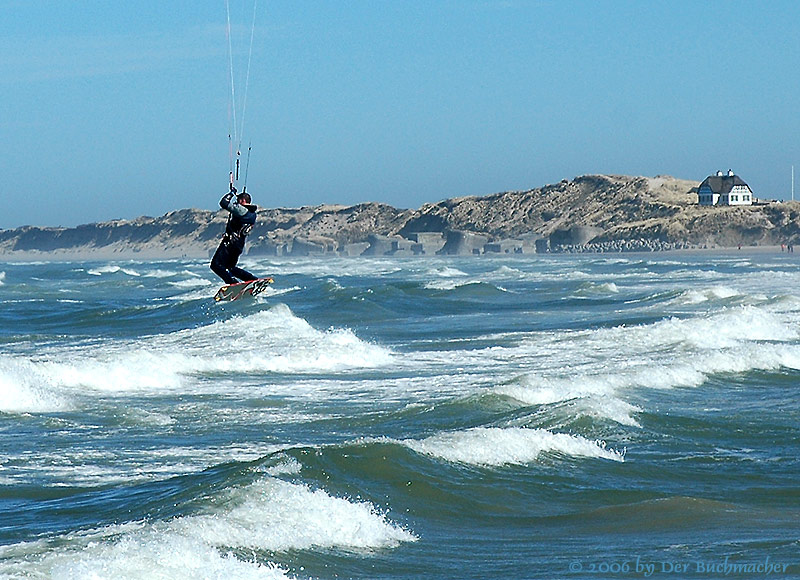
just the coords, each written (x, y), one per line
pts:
(136, 552)
(598, 367)
(190, 283)
(506, 272)
(727, 328)
(269, 341)
(597, 288)
(277, 341)
(447, 272)
(268, 515)
(112, 269)
(159, 273)
(2, 278)
(26, 388)
(273, 514)
(81, 466)
(112, 369)
(449, 284)
(700, 296)
(597, 394)
(494, 446)
(271, 292)
(608, 287)
(323, 268)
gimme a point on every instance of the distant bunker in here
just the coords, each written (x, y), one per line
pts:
(574, 236)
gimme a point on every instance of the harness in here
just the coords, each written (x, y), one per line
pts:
(236, 231)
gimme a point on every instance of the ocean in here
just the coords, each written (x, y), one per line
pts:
(546, 416)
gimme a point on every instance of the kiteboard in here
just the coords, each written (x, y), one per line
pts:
(252, 288)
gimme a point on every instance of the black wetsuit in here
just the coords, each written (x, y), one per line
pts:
(240, 222)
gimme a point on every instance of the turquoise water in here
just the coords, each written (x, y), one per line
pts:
(511, 417)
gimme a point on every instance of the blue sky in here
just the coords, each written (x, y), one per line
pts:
(121, 109)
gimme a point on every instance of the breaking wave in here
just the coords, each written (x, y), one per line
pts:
(494, 446)
(272, 341)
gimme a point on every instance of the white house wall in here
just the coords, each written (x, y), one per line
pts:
(740, 195)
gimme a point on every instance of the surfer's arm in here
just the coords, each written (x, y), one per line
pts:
(237, 209)
(226, 200)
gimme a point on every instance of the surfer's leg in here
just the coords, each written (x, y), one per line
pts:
(243, 275)
(240, 273)
(219, 265)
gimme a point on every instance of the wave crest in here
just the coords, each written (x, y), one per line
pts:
(495, 446)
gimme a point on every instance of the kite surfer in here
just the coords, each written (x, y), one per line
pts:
(240, 221)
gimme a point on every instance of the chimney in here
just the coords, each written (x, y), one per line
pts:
(730, 172)
(719, 173)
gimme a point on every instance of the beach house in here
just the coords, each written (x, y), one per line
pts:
(724, 189)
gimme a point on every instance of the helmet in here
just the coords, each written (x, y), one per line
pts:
(243, 198)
